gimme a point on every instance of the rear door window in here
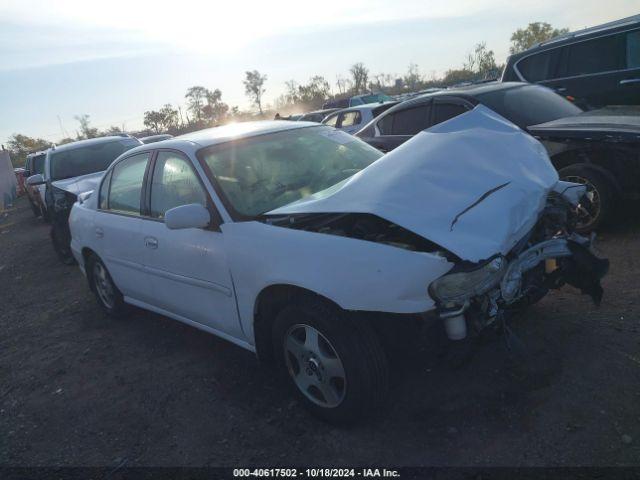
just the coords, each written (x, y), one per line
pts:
(332, 120)
(125, 187)
(406, 122)
(539, 67)
(350, 118)
(599, 55)
(446, 111)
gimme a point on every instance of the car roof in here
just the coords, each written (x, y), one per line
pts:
(224, 133)
(583, 34)
(89, 142)
(367, 106)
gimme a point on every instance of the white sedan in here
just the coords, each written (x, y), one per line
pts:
(302, 243)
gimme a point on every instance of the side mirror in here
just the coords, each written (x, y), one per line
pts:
(36, 179)
(193, 215)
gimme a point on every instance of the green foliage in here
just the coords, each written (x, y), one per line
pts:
(536, 32)
(20, 145)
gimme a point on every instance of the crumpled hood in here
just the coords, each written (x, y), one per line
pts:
(78, 185)
(474, 185)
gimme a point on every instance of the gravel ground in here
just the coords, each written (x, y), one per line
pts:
(77, 388)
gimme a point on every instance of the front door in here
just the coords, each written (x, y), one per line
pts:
(188, 268)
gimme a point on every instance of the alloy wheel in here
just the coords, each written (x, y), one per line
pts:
(104, 287)
(590, 210)
(314, 366)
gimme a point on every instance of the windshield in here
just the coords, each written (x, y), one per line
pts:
(529, 105)
(262, 173)
(88, 159)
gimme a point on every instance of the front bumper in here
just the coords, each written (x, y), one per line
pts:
(526, 276)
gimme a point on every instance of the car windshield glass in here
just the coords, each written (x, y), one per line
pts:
(262, 173)
(88, 159)
(529, 105)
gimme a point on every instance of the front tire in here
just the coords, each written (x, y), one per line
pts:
(596, 211)
(62, 245)
(333, 360)
(109, 298)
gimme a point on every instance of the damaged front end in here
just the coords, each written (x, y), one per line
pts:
(548, 257)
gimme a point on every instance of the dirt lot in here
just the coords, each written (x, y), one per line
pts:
(77, 388)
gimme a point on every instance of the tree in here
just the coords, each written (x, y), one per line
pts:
(169, 117)
(315, 92)
(215, 111)
(113, 130)
(254, 87)
(196, 97)
(360, 75)
(455, 76)
(536, 32)
(413, 77)
(381, 81)
(343, 84)
(86, 131)
(482, 62)
(20, 145)
(153, 120)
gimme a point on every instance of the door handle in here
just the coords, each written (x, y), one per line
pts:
(629, 81)
(151, 242)
(99, 232)
(561, 89)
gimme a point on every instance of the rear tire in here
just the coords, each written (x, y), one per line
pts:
(332, 359)
(601, 194)
(109, 298)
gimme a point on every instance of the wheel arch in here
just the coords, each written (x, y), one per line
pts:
(268, 303)
(585, 158)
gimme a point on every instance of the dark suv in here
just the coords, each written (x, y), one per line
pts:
(594, 67)
(599, 148)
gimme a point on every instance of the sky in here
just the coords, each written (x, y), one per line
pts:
(115, 59)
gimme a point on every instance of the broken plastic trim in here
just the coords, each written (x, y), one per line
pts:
(361, 226)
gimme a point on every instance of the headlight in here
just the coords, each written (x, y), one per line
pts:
(62, 200)
(458, 287)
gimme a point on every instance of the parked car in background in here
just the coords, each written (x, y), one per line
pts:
(215, 229)
(317, 115)
(358, 100)
(600, 149)
(155, 138)
(594, 67)
(352, 119)
(35, 193)
(70, 170)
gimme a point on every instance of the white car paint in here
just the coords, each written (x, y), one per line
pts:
(366, 115)
(423, 184)
(212, 279)
(78, 185)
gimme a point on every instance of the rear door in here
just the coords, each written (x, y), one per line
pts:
(187, 268)
(118, 239)
(395, 128)
(588, 71)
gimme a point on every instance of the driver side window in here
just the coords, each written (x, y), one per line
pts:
(174, 183)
